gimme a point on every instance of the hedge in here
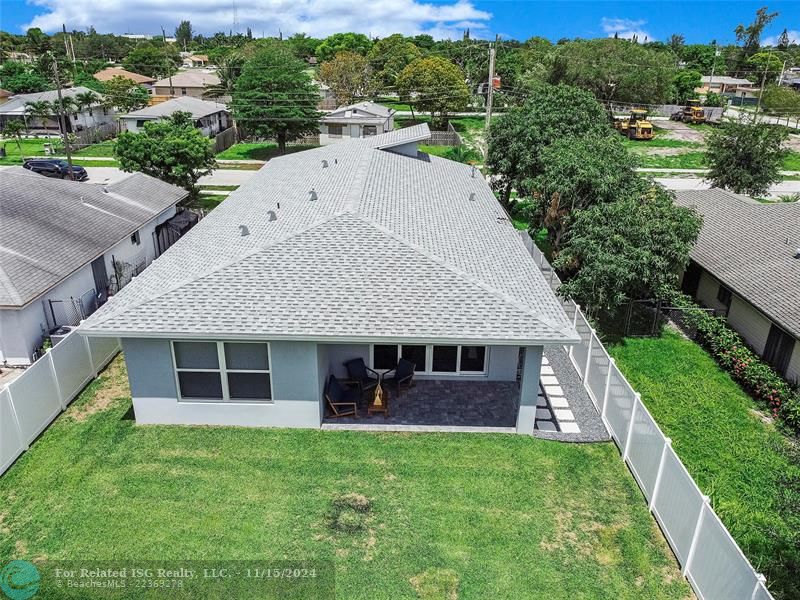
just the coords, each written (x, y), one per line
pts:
(732, 353)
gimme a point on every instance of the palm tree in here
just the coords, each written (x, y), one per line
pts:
(39, 109)
(67, 105)
(228, 71)
(85, 100)
(14, 129)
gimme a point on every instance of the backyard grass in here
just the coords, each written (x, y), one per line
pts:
(258, 151)
(209, 201)
(744, 464)
(792, 161)
(105, 149)
(687, 160)
(29, 147)
(441, 516)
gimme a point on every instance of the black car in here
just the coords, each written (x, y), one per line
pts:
(54, 167)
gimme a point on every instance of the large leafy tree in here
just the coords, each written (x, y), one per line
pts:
(172, 150)
(302, 45)
(275, 97)
(348, 75)
(124, 95)
(684, 84)
(781, 100)
(435, 85)
(22, 81)
(615, 69)
(341, 42)
(516, 139)
(750, 35)
(183, 34)
(153, 60)
(388, 57)
(746, 157)
(628, 249)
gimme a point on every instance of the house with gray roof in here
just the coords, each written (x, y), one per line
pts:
(746, 266)
(186, 83)
(355, 121)
(14, 108)
(209, 117)
(366, 249)
(65, 246)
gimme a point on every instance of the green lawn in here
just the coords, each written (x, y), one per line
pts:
(100, 149)
(792, 161)
(471, 516)
(741, 462)
(258, 151)
(209, 201)
(29, 147)
(687, 160)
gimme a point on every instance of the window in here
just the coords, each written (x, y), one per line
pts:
(140, 123)
(334, 130)
(223, 371)
(473, 359)
(445, 359)
(778, 349)
(384, 356)
(183, 91)
(135, 239)
(724, 295)
(370, 130)
(456, 360)
(417, 355)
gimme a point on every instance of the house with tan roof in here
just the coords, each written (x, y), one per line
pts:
(109, 73)
(185, 83)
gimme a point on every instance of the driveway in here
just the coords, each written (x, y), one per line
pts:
(694, 183)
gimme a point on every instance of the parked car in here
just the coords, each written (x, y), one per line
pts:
(52, 167)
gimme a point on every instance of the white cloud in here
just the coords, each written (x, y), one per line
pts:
(317, 18)
(794, 38)
(625, 28)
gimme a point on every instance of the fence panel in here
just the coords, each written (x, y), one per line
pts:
(645, 449)
(599, 363)
(35, 398)
(11, 446)
(762, 593)
(581, 350)
(73, 365)
(619, 405)
(677, 506)
(102, 350)
(718, 568)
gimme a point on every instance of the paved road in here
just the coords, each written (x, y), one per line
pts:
(692, 183)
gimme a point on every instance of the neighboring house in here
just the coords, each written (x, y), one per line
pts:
(4, 96)
(367, 249)
(22, 57)
(185, 83)
(732, 87)
(15, 109)
(210, 117)
(746, 265)
(327, 99)
(67, 245)
(195, 60)
(355, 121)
(109, 73)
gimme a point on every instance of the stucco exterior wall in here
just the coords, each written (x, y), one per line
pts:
(707, 293)
(351, 130)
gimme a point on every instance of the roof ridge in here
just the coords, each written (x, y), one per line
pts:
(461, 273)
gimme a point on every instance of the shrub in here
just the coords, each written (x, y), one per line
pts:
(744, 365)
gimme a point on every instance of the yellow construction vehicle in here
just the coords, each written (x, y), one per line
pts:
(635, 126)
(691, 113)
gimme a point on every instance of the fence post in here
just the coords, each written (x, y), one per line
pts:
(588, 358)
(49, 357)
(760, 579)
(15, 417)
(611, 364)
(695, 535)
(630, 426)
(89, 353)
(574, 325)
(667, 444)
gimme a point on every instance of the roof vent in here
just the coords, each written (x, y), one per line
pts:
(473, 171)
(243, 230)
(797, 253)
(313, 195)
(105, 190)
(272, 216)
(324, 164)
(279, 205)
(336, 161)
(472, 196)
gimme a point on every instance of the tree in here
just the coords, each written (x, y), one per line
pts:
(37, 42)
(388, 57)
(435, 85)
(715, 99)
(783, 40)
(274, 97)
(698, 57)
(781, 100)
(183, 34)
(13, 129)
(172, 150)
(516, 138)
(302, 45)
(85, 100)
(578, 172)
(684, 84)
(760, 63)
(629, 249)
(745, 157)
(619, 70)
(153, 60)
(676, 43)
(341, 42)
(124, 95)
(39, 109)
(348, 75)
(25, 82)
(750, 36)
(228, 70)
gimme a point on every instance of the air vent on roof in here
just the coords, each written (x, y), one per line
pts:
(313, 195)
(324, 164)
(279, 205)
(243, 230)
(472, 196)
(105, 190)
(272, 216)
(797, 253)
(473, 171)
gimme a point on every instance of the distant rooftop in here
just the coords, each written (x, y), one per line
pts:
(363, 112)
(725, 80)
(109, 73)
(189, 79)
(16, 103)
(199, 108)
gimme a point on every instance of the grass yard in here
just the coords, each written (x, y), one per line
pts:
(29, 147)
(792, 161)
(687, 160)
(258, 151)
(209, 201)
(104, 149)
(741, 462)
(440, 516)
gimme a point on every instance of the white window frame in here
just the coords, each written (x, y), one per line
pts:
(335, 135)
(429, 359)
(223, 373)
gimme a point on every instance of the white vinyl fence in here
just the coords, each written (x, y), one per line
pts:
(709, 557)
(31, 402)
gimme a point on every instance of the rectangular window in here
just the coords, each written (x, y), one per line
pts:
(417, 355)
(384, 356)
(778, 349)
(455, 360)
(183, 91)
(140, 123)
(445, 359)
(724, 295)
(135, 239)
(473, 359)
(334, 130)
(223, 371)
(370, 130)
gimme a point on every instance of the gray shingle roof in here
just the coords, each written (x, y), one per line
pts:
(51, 227)
(196, 79)
(199, 108)
(357, 113)
(392, 248)
(16, 104)
(743, 244)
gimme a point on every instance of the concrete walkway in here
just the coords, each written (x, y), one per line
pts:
(696, 183)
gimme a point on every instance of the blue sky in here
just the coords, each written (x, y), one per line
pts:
(710, 19)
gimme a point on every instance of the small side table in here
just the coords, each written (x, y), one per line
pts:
(379, 402)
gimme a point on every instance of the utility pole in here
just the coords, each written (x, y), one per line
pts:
(713, 66)
(490, 91)
(61, 119)
(763, 83)
(783, 70)
(166, 61)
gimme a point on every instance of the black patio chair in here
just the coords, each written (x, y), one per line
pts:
(403, 375)
(366, 378)
(342, 401)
